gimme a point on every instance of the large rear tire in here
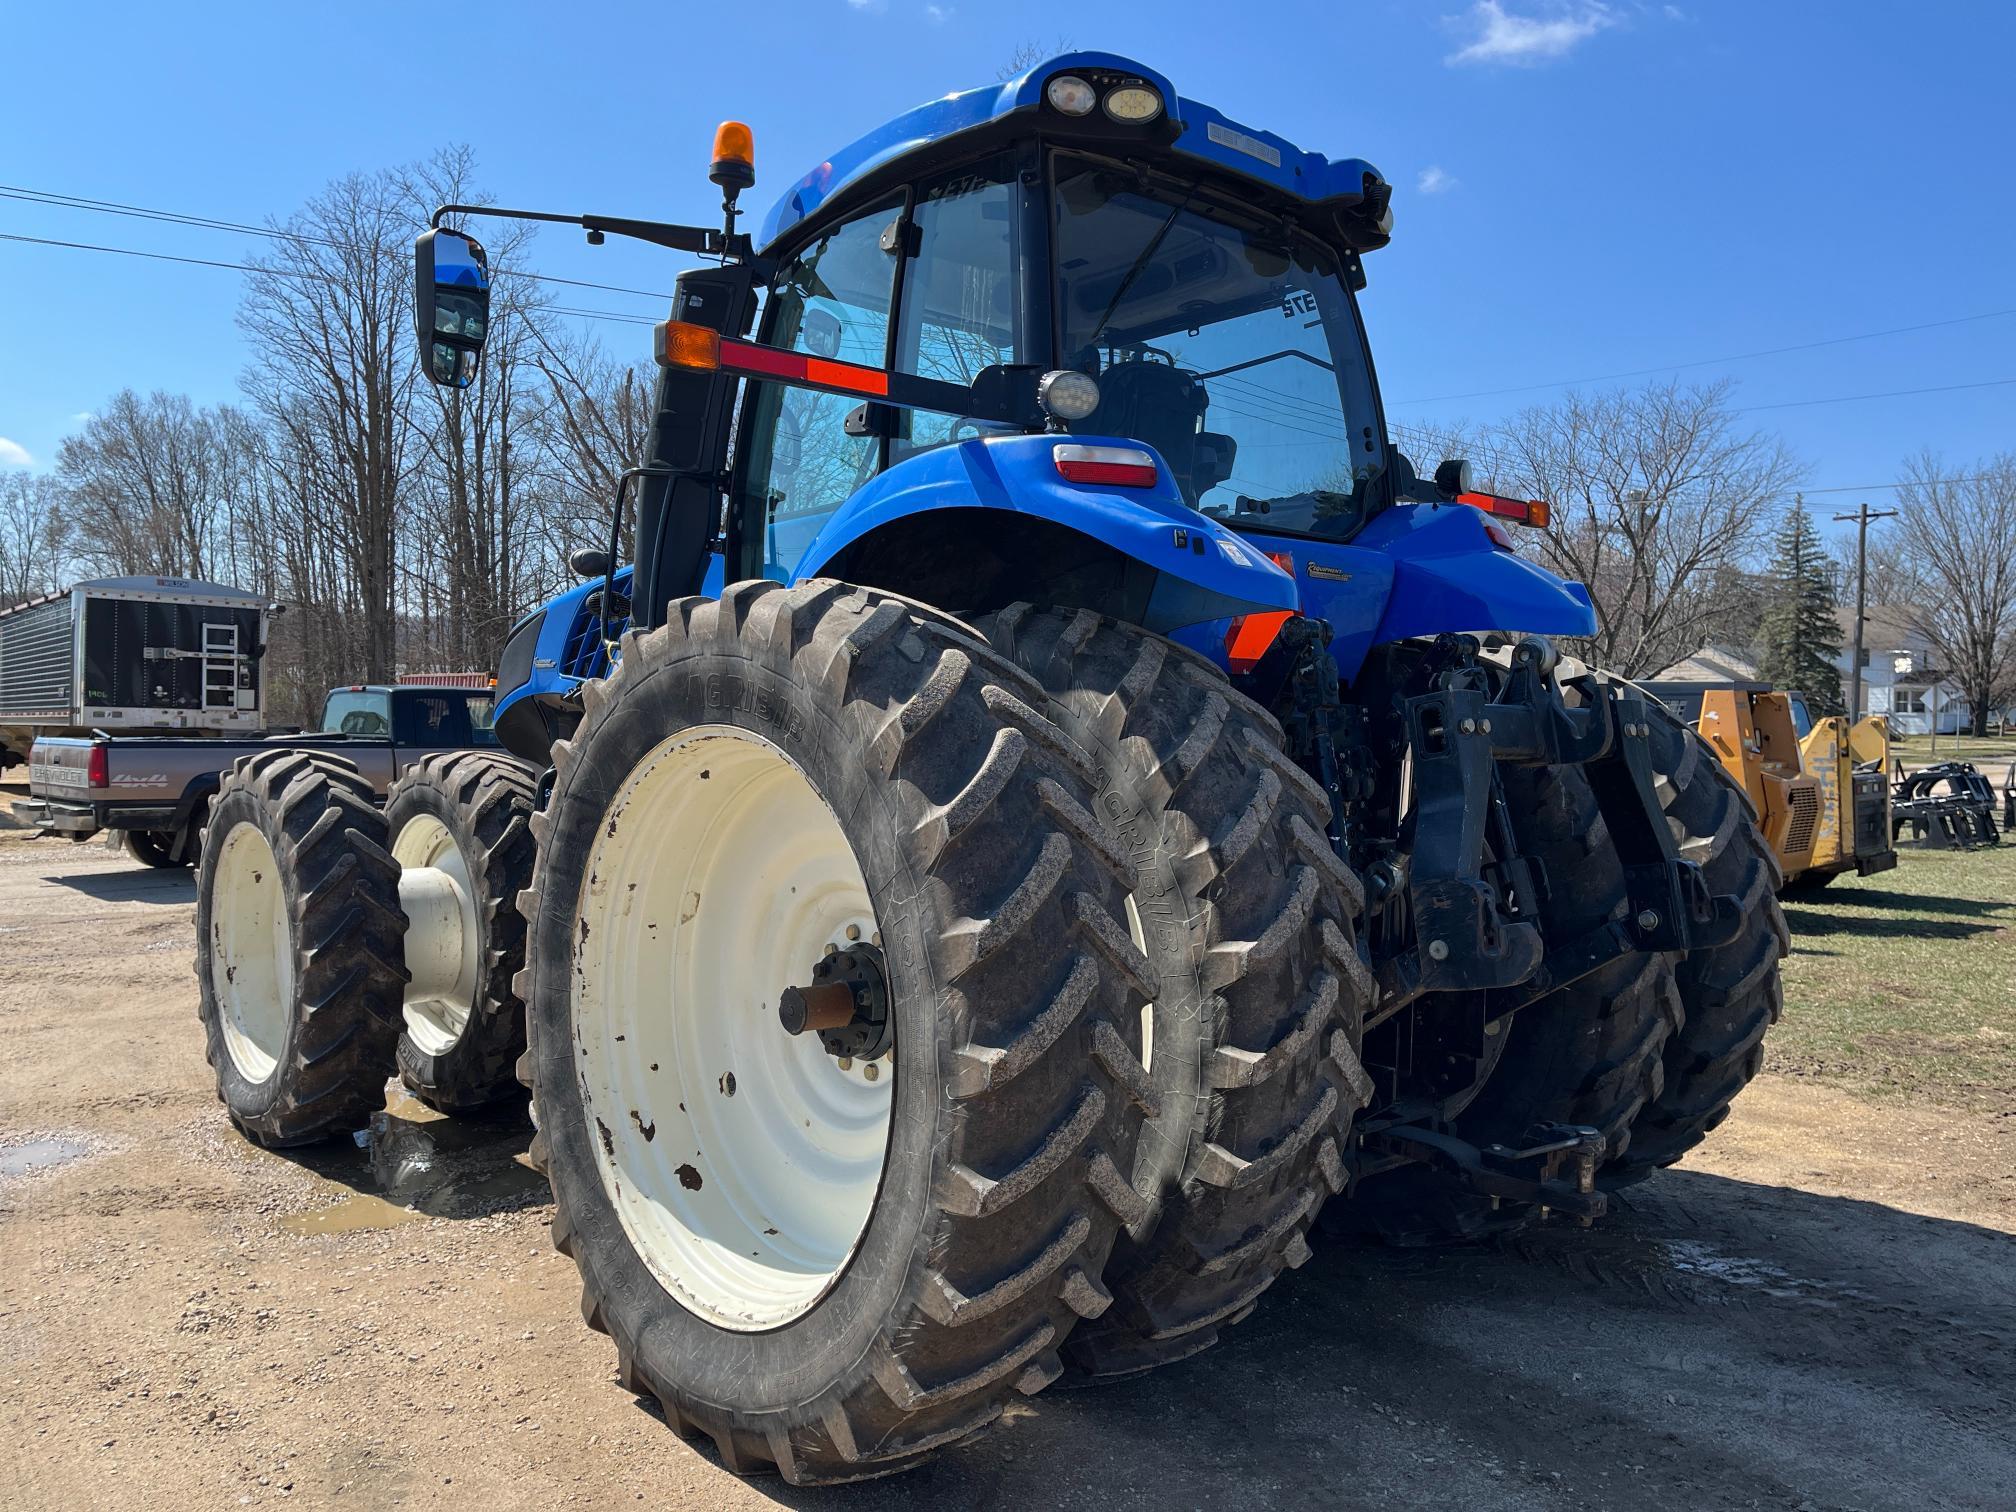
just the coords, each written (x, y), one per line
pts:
(1249, 919)
(298, 947)
(1589, 1053)
(469, 814)
(828, 1269)
(1731, 993)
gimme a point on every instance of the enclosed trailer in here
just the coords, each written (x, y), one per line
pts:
(131, 653)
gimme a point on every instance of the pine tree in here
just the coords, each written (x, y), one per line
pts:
(1801, 636)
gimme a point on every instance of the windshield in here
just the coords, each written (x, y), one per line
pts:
(1221, 341)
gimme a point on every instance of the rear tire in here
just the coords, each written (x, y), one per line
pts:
(469, 812)
(1731, 993)
(1589, 1053)
(1015, 1093)
(298, 955)
(1249, 919)
(156, 848)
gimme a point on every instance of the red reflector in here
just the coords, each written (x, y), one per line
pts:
(1250, 636)
(798, 367)
(1113, 466)
(1534, 512)
(97, 771)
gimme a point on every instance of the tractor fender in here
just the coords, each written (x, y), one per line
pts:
(1203, 571)
(1449, 575)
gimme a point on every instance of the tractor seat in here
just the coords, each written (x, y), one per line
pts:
(1162, 405)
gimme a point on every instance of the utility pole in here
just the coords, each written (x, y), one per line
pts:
(1862, 516)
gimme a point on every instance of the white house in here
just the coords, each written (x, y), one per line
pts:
(1901, 678)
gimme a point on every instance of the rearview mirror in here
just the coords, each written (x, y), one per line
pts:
(588, 562)
(451, 305)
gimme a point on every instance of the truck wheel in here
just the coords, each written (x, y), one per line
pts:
(298, 947)
(1249, 920)
(1731, 993)
(466, 813)
(1587, 1054)
(828, 1263)
(156, 848)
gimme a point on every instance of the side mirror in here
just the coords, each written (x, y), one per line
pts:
(588, 562)
(451, 305)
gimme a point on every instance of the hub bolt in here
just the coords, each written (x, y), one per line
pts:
(853, 931)
(871, 1070)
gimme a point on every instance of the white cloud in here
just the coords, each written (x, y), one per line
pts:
(14, 454)
(1434, 180)
(1498, 36)
(874, 6)
(938, 15)
(81, 416)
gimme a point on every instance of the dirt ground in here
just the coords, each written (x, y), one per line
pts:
(1817, 1311)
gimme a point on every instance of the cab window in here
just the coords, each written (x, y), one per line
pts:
(958, 304)
(831, 300)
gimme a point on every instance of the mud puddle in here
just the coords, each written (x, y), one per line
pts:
(41, 1155)
(413, 1164)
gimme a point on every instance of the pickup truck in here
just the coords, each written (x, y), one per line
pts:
(156, 789)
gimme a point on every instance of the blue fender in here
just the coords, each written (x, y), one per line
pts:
(1419, 570)
(1449, 575)
(1206, 571)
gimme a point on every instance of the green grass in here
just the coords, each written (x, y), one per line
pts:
(1904, 983)
(1991, 752)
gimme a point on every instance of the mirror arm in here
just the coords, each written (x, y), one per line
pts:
(695, 239)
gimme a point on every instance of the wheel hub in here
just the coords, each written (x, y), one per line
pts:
(847, 1005)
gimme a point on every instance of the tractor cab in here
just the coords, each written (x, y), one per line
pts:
(1080, 223)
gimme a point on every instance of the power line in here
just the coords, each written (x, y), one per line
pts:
(1944, 388)
(211, 223)
(619, 316)
(1674, 367)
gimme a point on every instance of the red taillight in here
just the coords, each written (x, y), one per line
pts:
(1114, 466)
(97, 770)
(1250, 635)
(1534, 512)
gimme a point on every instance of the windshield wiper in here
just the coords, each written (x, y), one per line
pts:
(1134, 272)
(1240, 367)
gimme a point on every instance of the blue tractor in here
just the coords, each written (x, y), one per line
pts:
(1057, 802)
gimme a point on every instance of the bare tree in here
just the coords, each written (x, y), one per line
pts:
(592, 425)
(142, 481)
(329, 319)
(1660, 502)
(1958, 539)
(33, 553)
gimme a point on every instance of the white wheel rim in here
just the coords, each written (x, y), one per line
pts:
(251, 952)
(742, 1161)
(435, 1020)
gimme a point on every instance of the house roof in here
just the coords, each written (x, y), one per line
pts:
(1885, 627)
(1711, 664)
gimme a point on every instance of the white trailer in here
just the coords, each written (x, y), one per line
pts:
(131, 653)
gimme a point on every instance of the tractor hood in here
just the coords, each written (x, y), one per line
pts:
(1349, 188)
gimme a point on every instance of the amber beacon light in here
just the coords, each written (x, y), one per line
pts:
(734, 156)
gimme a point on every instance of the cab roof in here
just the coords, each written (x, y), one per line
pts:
(1199, 132)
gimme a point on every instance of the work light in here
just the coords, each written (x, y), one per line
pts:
(1072, 95)
(1133, 103)
(1068, 394)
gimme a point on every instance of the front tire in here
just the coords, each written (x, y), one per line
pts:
(298, 947)
(468, 813)
(827, 1273)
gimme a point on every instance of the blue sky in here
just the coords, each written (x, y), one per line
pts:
(1583, 189)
